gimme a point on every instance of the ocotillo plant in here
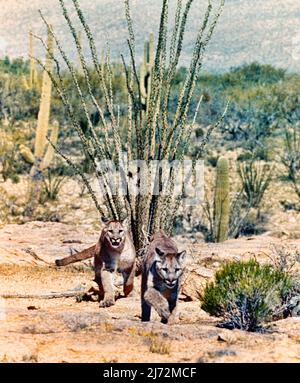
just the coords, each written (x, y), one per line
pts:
(80, 71)
(154, 133)
(221, 201)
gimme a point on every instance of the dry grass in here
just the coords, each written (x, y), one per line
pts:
(108, 327)
(159, 346)
(30, 358)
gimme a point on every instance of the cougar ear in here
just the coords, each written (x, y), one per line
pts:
(159, 252)
(104, 220)
(181, 256)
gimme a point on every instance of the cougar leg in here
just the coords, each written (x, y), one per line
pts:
(160, 303)
(172, 304)
(107, 283)
(128, 276)
(173, 310)
(99, 282)
(146, 311)
(146, 308)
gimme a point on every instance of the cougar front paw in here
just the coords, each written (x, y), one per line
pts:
(107, 302)
(173, 318)
(164, 313)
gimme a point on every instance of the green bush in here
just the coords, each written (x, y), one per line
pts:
(247, 294)
(52, 185)
(14, 66)
(255, 178)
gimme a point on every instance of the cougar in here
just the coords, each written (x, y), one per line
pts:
(161, 278)
(113, 252)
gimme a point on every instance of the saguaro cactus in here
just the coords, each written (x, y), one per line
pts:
(42, 156)
(32, 66)
(30, 158)
(146, 70)
(221, 201)
(44, 111)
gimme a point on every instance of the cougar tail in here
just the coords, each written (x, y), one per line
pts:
(84, 254)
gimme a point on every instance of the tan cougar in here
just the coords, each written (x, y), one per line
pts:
(162, 272)
(113, 252)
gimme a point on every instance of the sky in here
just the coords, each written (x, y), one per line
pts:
(267, 31)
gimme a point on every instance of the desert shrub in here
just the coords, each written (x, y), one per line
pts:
(245, 213)
(246, 221)
(259, 109)
(261, 153)
(245, 217)
(11, 163)
(212, 160)
(247, 294)
(17, 103)
(52, 184)
(14, 66)
(253, 73)
(244, 156)
(291, 156)
(285, 258)
(8, 154)
(255, 178)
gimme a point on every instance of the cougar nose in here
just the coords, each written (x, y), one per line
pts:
(171, 282)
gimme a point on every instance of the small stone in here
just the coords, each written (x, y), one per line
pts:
(32, 308)
(216, 264)
(227, 337)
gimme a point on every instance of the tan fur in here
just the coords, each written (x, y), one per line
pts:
(161, 278)
(113, 252)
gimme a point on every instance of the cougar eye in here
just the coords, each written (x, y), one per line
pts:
(165, 269)
(110, 231)
(121, 231)
(177, 269)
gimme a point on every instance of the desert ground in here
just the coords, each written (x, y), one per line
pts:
(64, 330)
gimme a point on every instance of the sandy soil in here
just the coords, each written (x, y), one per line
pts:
(63, 330)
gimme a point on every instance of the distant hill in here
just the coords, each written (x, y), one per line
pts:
(267, 31)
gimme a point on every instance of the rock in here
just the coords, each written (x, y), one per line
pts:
(227, 337)
(294, 306)
(195, 280)
(32, 243)
(216, 264)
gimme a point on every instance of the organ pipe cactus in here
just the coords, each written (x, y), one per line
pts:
(221, 201)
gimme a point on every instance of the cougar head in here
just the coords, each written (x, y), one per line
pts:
(169, 266)
(114, 233)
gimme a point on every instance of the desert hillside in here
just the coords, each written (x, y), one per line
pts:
(266, 37)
